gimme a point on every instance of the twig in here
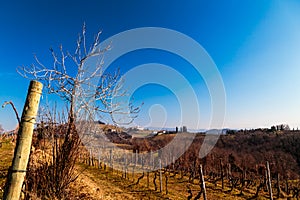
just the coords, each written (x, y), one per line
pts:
(14, 108)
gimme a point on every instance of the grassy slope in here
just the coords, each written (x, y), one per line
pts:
(6, 155)
(99, 184)
(104, 184)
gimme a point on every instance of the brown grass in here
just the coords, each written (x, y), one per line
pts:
(6, 155)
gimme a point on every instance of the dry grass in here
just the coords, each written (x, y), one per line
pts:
(94, 184)
(6, 155)
(108, 184)
(99, 184)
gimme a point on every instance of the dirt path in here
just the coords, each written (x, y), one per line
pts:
(97, 184)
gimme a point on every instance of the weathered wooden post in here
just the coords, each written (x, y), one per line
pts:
(99, 158)
(166, 180)
(134, 164)
(110, 158)
(222, 173)
(151, 160)
(229, 169)
(160, 176)
(90, 159)
(147, 179)
(269, 181)
(202, 183)
(278, 185)
(22, 150)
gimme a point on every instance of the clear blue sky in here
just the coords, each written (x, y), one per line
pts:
(254, 43)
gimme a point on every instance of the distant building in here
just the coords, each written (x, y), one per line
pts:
(283, 127)
(181, 129)
(140, 128)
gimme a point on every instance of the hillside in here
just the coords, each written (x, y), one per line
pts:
(245, 152)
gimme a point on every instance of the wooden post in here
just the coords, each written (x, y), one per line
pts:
(278, 185)
(151, 160)
(229, 169)
(90, 158)
(269, 181)
(266, 180)
(154, 183)
(160, 176)
(147, 179)
(287, 190)
(166, 176)
(125, 166)
(173, 164)
(202, 183)
(222, 173)
(110, 158)
(134, 164)
(22, 150)
(136, 158)
(99, 158)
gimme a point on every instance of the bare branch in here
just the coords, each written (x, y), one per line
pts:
(14, 108)
(104, 97)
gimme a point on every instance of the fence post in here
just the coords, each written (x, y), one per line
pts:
(99, 158)
(269, 181)
(202, 183)
(160, 176)
(222, 173)
(110, 158)
(22, 150)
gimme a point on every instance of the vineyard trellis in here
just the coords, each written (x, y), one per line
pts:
(137, 166)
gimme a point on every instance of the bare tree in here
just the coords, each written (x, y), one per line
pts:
(80, 80)
(89, 90)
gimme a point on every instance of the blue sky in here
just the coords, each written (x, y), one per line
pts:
(254, 44)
